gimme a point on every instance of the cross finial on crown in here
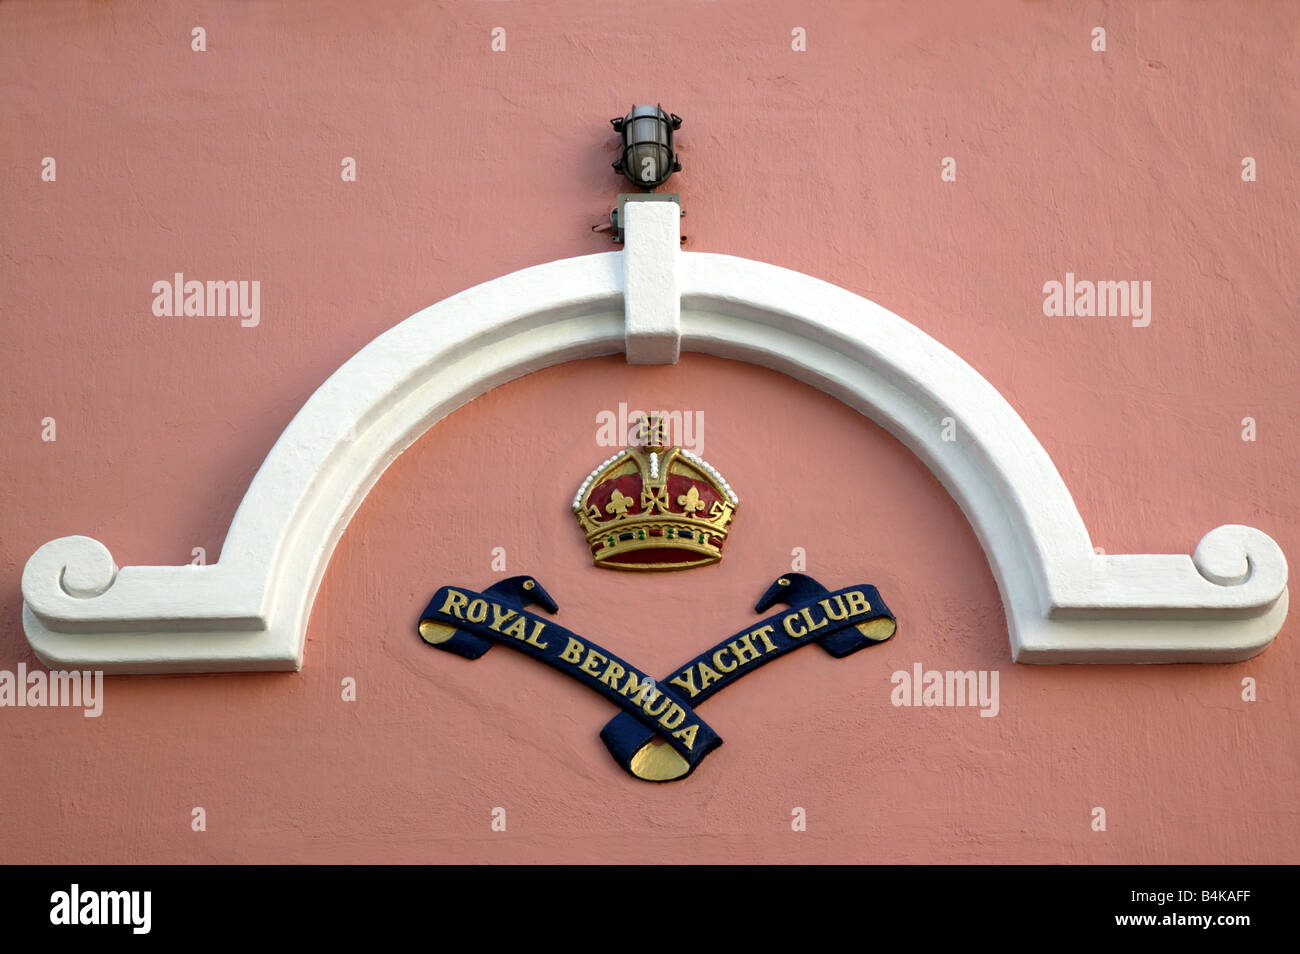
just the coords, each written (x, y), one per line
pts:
(652, 432)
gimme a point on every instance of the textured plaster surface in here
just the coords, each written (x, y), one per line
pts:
(225, 165)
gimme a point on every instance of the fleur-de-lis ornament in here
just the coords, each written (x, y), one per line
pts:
(619, 504)
(690, 501)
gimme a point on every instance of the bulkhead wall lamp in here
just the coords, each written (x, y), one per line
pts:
(647, 158)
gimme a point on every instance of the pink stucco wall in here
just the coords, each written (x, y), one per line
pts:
(1123, 164)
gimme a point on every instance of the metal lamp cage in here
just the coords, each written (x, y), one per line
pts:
(648, 158)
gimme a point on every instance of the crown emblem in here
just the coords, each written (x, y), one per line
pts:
(653, 507)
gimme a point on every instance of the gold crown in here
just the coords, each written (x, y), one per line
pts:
(655, 508)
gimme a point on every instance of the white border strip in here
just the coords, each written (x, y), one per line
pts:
(249, 610)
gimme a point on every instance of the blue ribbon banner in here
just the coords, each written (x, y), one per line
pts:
(658, 736)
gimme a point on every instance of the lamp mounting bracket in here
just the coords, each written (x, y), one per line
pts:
(617, 219)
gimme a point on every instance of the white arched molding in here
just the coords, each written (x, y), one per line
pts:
(1064, 603)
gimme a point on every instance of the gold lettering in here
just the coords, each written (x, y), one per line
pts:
(720, 665)
(807, 618)
(573, 652)
(857, 602)
(538, 626)
(593, 660)
(707, 675)
(839, 604)
(635, 685)
(744, 649)
(456, 602)
(788, 623)
(501, 615)
(686, 681)
(687, 735)
(667, 720)
(476, 612)
(517, 629)
(655, 694)
(761, 633)
(613, 673)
